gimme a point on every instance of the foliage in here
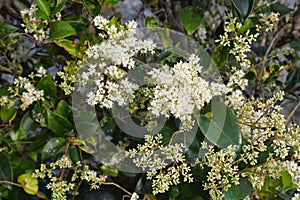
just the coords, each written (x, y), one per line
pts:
(92, 108)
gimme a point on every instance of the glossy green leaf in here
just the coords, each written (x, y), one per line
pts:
(57, 123)
(292, 78)
(6, 29)
(73, 48)
(191, 19)
(243, 7)
(53, 147)
(64, 110)
(220, 56)
(7, 114)
(280, 8)
(219, 125)
(28, 124)
(44, 7)
(6, 173)
(29, 184)
(60, 29)
(47, 84)
(240, 191)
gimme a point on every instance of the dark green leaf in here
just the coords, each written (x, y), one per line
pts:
(219, 125)
(243, 7)
(220, 56)
(57, 123)
(240, 191)
(60, 29)
(53, 147)
(28, 124)
(7, 114)
(6, 29)
(280, 8)
(64, 110)
(5, 170)
(47, 84)
(191, 19)
(79, 23)
(292, 78)
(44, 7)
(59, 6)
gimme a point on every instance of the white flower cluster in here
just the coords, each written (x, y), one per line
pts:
(36, 25)
(293, 168)
(223, 169)
(155, 158)
(108, 60)
(241, 42)
(58, 185)
(180, 90)
(270, 21)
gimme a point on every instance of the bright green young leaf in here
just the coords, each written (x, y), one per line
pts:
(57, 123)
(53, 147)
(44, 7)
(111, 2)
(287, 181)
(246, 26)
(29, 184)
(6, 29)
(191, 19)
(6, 172)
(64, 110)
(47, 84)
(61, 29)
(109, 171)
(7, 114)
(240, 191)
(28, 124)
(75, 49)
(219, 125)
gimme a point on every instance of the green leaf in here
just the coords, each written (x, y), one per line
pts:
(79, 23)
(243, 7)
(53, 147)
(87, 128)
(64, 110)
(57, 123)
(240, 191)
(6, 172)
(111, 2)
(109, 171)
(287, 181)
(246, 26)
(6, 29)
(47, 84)
(280, 8)
(7, 114)
(191, 19)
(28, 124)
(59, 6)
(60, 29)
(220, 56)
(29, 184)
(292, 78)
(73, 48)
(44, 7)
(219, 125)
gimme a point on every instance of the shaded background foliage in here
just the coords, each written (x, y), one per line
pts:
(26, 145)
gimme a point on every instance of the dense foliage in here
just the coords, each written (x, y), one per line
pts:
(189, 99)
